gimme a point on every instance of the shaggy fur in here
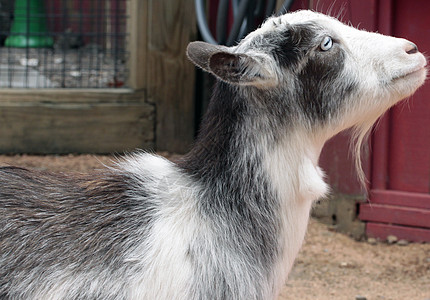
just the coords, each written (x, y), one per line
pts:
(227, 221)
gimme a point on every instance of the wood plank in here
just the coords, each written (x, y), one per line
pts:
(170, 76)
(339, 166)
(399, 198)
(381, 136)
(412, 234)
(395, 215)
(18, 97)
(74, 121)
(137, 25)
(409, 158)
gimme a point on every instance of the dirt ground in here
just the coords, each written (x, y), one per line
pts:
(329, 266)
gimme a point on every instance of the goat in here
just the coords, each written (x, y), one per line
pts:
(228, 219)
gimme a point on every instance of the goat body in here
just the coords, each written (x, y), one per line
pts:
(227, 221)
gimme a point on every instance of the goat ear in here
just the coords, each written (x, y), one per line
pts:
(200, 52)
(241, 69)
(234, 68)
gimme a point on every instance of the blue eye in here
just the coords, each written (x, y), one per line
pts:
(326, 43)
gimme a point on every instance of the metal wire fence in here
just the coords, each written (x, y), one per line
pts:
(63, 43)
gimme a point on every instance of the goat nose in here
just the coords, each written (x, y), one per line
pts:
(411, 48)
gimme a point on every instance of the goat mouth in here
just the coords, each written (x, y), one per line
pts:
(417, 71)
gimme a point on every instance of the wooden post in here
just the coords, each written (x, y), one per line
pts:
(137, 43)
(170, 76)
(160, 31)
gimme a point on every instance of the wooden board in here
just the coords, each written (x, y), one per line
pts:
(84, 121)
(401, 143)
(382, 231)
(137, 43)
(409, 148)
(169, 74)
(399, 198)
(391, 214)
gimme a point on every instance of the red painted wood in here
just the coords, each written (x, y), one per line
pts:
(382, 231)
(385, 16)
(381, 136)
(300, 4)
(399, 198)
(409, 168)
(416, 217)
(363, 14)
(401, 144)
(380, 141)
(337, 163)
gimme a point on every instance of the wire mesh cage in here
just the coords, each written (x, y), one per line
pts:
(63, 43)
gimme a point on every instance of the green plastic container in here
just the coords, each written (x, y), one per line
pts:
(29, 26)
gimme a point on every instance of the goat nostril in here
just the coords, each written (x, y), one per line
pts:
(411, 48)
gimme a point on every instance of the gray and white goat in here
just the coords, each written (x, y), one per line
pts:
(227, 221)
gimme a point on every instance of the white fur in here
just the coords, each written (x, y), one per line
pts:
(164, 252)
(295, 175)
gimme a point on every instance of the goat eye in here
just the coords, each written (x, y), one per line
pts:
(326, 43)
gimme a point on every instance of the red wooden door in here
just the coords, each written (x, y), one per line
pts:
(400, 186)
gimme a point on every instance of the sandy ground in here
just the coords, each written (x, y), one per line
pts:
(333, 266)
(329, 266)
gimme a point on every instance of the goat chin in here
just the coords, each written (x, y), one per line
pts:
(228, 219)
